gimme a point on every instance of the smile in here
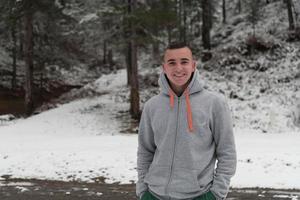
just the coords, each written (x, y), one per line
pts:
(179, 76)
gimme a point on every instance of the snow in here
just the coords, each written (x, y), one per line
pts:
(267, 160)
(82, 141)
(89, 17)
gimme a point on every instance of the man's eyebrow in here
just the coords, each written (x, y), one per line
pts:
(171, 60)
(184, 59)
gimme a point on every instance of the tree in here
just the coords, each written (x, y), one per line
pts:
(142, 24)
(10, 17)
(27, 9)
(290, 14)
(28, 19)
(206, 23)
(132, 49)
(158, 21)
(239, 6)
(224, 11)
(255, 14)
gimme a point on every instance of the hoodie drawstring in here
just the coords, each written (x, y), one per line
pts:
(188, 107)
(171, 98)
(189, 110)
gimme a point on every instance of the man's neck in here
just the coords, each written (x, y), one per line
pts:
(179, 90)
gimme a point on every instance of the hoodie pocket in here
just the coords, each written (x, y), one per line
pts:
(184, 181)
(157, 175)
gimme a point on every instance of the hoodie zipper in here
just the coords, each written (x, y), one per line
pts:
(174, 148)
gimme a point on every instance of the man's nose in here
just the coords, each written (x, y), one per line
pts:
(178, 67)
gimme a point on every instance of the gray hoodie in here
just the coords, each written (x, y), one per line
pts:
(179, 141)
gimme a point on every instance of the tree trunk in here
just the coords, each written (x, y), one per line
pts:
(239, 6)
(134, 86)
(290, 14)
(224, 11)
(210, 18)
(206, 23)
(104, 61)
(21, 50)
(295, 13)
(198, 27)
(110, 59)
(179, 14)
(14, 56)
(184, 26)
(134, 92)
(155, 44)
(128, 46)
(29, 63)
(155, 52)
(128, 63)
(169, 34)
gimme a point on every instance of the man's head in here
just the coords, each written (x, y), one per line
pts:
(178, 65)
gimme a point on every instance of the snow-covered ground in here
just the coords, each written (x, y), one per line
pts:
(82, 140)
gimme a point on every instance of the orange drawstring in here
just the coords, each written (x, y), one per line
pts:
(188, 107)
(171, 98)
(189, 110)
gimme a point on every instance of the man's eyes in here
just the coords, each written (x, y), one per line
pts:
(182, 63)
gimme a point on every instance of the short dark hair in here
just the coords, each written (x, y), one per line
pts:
(177, 45)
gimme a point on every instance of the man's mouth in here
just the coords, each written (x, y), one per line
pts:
(179, 75)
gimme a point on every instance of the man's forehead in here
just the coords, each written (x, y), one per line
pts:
(180, 53)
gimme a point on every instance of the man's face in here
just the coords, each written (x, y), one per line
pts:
(178, 66)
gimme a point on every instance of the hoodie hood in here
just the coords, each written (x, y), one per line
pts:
(194, 86)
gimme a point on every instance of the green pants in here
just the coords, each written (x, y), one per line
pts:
(148, 196)
(207, 196)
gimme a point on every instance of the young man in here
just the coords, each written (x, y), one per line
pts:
(183, 131)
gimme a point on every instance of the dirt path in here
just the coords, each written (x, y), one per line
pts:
(55, 190)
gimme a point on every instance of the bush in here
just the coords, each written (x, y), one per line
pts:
(259, 44)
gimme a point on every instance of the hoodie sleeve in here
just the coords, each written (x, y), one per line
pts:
(225, 148)
(146, 150)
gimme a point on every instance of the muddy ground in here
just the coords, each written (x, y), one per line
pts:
(19, 189)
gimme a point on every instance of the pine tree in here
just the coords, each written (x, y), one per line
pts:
(27, 9)
(10, 16)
